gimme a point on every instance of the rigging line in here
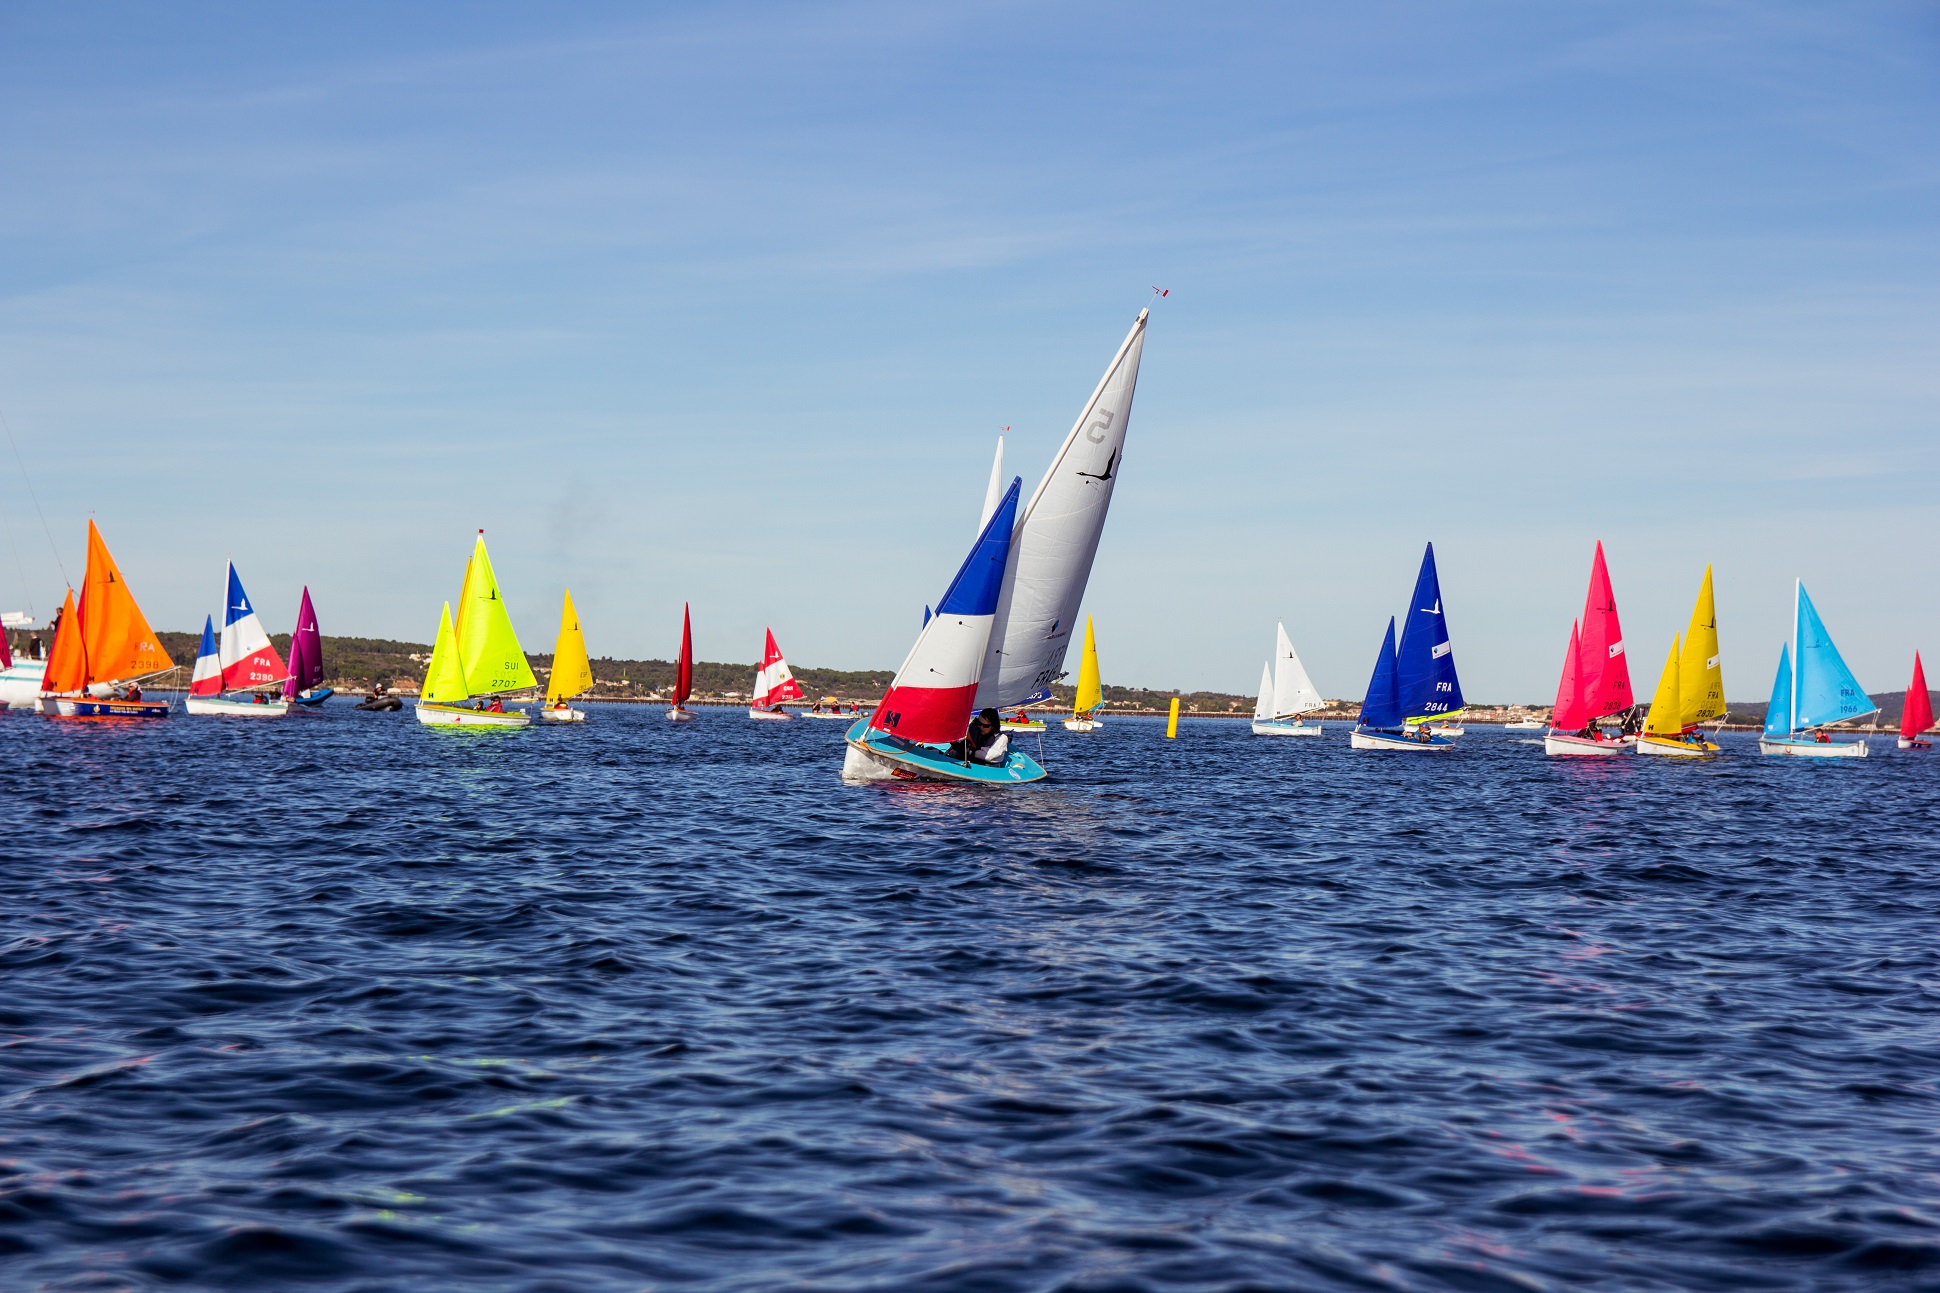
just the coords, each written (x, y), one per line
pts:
(29, 480)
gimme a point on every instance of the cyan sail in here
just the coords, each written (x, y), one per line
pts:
(1778, 714)
(1426, 661)
(1826, 690)
(1382, 708)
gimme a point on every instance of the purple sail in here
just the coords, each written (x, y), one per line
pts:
(306, 651)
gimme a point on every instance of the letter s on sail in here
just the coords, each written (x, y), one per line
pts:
(1099, 425)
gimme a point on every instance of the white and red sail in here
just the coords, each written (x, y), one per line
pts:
(244, 650)
(774, 682)
(936, 689)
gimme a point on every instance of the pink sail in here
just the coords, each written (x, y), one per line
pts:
(1602, 669)
(1568, 715)
(1918, 715)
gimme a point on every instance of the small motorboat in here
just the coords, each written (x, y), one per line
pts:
(830, 707)
(382, 703)
(1527, 723)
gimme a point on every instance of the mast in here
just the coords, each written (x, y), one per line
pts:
(1798, 661)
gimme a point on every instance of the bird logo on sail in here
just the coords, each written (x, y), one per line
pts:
(1104, 475)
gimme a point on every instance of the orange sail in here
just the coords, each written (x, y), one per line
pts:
(114, 633)
(67, 663)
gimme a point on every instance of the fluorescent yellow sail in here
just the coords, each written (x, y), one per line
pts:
(1700, 678)
(487, 646)
(572, 672)
(1666, 715)
(444, 677)
(464, 594)
(1090, 693)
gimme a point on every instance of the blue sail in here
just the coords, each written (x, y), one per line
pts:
(1827, 691)
(1427, 685)
(1382, 708)
(1778, 714)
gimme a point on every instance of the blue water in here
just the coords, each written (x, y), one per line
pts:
(338, 1002)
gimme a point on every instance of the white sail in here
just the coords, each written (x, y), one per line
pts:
(1056, 539)
(993, 493)
(1263, 707)
(1293, 690)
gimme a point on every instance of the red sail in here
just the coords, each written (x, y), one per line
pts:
(1568, 715)
(1918, 715)
(684, 672)
(1603, 671)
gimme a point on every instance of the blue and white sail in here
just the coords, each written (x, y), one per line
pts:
(1823, 688)
(1382, 706)
(1425, 661)
(248, 659)
(934, 693)
(207, 678)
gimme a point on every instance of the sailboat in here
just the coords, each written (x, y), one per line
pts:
(1286, 692)
(1414, 685)
(1813, 688)
(239, 659)
(774, 683)
(476, 655)
(1917, 716)
(1090, 695)
(683, 672)
(1690, 691)
(572, 671)
(20, 676)
(104, 646)
(304, 686)
(1595, 683)
(1044, 563)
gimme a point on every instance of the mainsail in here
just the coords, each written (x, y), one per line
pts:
(1823, 688)
(488, 649)
(1091, 692)
(115, 637)
(1917, 717)
(306, 651)
(572, 671)
(1603, 671)
(935, 691)
(1425, 661)
(1293, 691)
(993, 493)
(1056, 539)
(774, 682)
(684, 671)
(1700, 676)
(247, 656)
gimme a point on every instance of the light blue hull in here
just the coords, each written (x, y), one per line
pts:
(316, 697)
(879, 754)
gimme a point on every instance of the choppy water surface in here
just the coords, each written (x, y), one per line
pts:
(339, 1002)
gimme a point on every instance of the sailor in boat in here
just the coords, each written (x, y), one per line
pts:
(496, 707)
(985, 742)
(260, 699)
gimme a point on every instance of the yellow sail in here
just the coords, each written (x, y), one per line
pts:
(1090, 693)
(487, 646)
(1700, 681)
(572, 672)
(1666, 715)
(464, 595)
(444, 677)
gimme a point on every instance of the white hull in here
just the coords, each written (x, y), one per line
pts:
(562, 714)
(1561, 743)
(1450, 730)
(1807, 748)
(20, 684)
(772, 715)
(1527, 725)
(859, 765)
(1082, 724)
(1672, 747)
(1915, 743)
(435, 715)
(235, 708)
(1359, 739)
(679, 715)
(841, 718)
(1033, 726)
(1267, 727)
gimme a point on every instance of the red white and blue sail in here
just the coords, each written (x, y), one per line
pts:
(935, 691)
(244, 650)
(207, 678)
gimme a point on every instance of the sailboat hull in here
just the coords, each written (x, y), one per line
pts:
(1029, 725)
(809, 713)
(1675, 747)
(96, 707)
(562, 714)
(679, 715)
(877, 756)
(1267, 727)
(1082, 724)
(1565, 745)
(311, 699)
(1914, 743)
(774, 715)
(20, 683)
(435, 715)
(1362, 739)
(225, 708)
(1450, 730)
(1806, 748)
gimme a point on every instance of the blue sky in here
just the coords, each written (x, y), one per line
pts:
(726, 304)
